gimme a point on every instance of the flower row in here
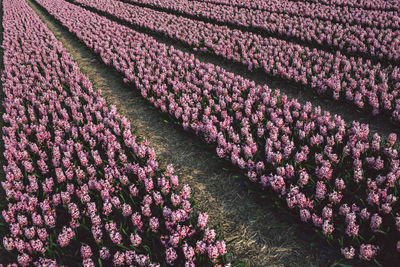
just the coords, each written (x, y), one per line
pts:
(345, 15)
(388, 5)
(366, 84)
(77, 181)
(356, 40)
(336, 176)
(391, 5)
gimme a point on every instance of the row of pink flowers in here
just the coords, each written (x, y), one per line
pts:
(388, 5)
(336, 176)
(356, 40)
(345, 15)
(76, 179)
(366, 84)
(367, 4)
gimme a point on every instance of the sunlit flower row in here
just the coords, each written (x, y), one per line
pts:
(336, 176)
(345, 15)
(79, 185)
(354, 40)
(388, 5)
(369, 86)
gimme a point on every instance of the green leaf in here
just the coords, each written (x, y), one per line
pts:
(100, 263)
(76, 252)
(51, 241)
(85, 227)
(122, 246)
(124, 231)
(341, 241)
(341, 264)
(147, 248)
(361, 237)
(381, 232)
(377, 263)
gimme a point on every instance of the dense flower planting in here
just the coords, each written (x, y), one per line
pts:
(354, 40)
(336, 176)
(372, 18)
(78, 183)
(368, 4)
(390, 5)
(335, 75)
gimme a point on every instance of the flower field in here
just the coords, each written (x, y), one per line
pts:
(81, 187)
(76, 177)
(378, 5)
(276, 57)
(382, 43)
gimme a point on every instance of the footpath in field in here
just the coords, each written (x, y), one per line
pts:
(259, 237)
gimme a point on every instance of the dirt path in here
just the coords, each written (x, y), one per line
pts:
(258, 235)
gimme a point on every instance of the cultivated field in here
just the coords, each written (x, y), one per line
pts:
(200, 133)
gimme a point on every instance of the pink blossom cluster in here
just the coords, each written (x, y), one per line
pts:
(390, 5)
(344, 15)
(365, 84)
(339, 178)
(76, 179)
(356, 40)
(366, 4)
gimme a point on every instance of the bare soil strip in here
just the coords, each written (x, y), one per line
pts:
(258, 235)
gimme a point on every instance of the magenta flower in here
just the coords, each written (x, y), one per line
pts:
(202, 221)
(136, 240)
(348, 253)
(171, 255)
(86, 252)
(368, 251)
(24, 259)
(104, 253)
(119, 258)
(376, 222)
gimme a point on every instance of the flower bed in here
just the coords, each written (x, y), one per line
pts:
(335, 176)
(378, 44)
(79, 185)
(387, 5)
(345, 15)
(334, 75)
(384, 5)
